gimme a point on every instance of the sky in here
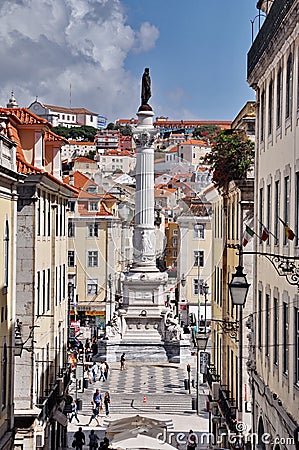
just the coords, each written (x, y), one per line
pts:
(92, 53)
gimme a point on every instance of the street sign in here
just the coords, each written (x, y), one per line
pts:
(204, 361)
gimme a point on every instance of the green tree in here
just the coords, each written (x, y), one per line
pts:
(85, 133)
(230, 158)
(206, 131)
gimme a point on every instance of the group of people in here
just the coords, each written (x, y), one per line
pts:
(79, 441)
(100, 402)
(102, 370)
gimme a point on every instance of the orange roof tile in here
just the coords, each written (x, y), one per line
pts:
(24, 116)
(197, 142)
(85, 143)
(83, 159)
(70, 110)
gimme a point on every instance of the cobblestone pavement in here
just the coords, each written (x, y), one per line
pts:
(153, 390)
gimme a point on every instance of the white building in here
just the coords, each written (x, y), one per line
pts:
(66, 117)
(273, 71)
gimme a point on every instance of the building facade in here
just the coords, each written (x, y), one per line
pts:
(9, 179)
(41, 310)
(273, 72)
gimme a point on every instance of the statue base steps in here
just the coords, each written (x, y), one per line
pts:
(144, 351)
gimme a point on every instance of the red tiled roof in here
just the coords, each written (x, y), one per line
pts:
(62, 109)
(83, 159)
(24, 116)
(73, 142)
(197, 142)
(82, 182)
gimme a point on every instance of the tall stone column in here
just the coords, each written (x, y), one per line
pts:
(144, 240)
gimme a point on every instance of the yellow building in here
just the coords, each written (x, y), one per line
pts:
(9, 178)
(273, 72)
(41, 310)
(94, 253)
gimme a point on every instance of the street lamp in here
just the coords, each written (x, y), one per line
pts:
(239, 287)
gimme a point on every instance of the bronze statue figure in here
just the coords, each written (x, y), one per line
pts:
(146, 87)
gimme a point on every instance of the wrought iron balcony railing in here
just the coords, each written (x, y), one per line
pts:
(277, 13)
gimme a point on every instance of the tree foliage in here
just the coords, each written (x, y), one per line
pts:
(85, 133)
(230, 158)
(125, 130)
(205, 131)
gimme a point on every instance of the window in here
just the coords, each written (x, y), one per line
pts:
(174, 242)
(277, 210)
(6, 254)
(259, 318)
(71, 229)
(297, 209)
(267, 324)
(275, 332)
(4, 367)
(195, 286)
(268, 208)
(262, 114)
(175, 232)
(71, 258)
(92, 258)
(38, 294)
(296, 375)
(198, 258)
(48, 289)
(91, 118)
(270, 108)
(174, 253)
(44, 214)
(92, 287)
(199, 231)
(289, 86)
(63, 116)
(44, 292)
(93, 230)
(261, 208)
(93, 206)
(38, 213)
(68, 118)
(278, 97)
(92, 189)
(49, 215)
(286, 204)
(285, 339)
(71, 206)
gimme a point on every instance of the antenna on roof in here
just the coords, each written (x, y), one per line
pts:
(70, 95)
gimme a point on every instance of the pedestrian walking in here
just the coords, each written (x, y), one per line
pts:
(107, 402)
(106, 370)
(122, 361)
(95, 414)
(93, 440)
(74, 412)
(97, 398)
(191, 441)
(104, 445)
(95, 369)
(79, 439)
(102, 369)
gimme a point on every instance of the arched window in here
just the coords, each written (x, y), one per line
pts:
(289, 86)
(4, 377)
(6, 254)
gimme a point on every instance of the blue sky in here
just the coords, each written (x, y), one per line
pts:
(198, 65)
(92, 53)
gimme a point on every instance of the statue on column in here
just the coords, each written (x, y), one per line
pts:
(145, 90)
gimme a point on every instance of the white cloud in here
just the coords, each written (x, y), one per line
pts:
(45, 46)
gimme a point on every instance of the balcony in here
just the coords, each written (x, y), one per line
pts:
(269, 29)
